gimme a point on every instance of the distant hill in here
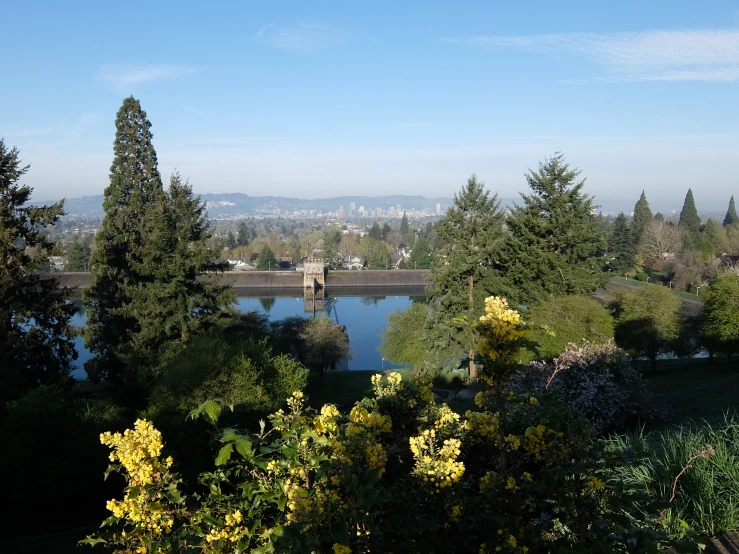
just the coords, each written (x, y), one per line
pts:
(229, 205)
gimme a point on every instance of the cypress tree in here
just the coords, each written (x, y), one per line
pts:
(621, 245)
(130, 245)
(375, 231)
(36, 335)
(404, 227)
(243, 234)
(472, 236)
(642, 216)
(555, 237)
(689, 220)
(731, 216)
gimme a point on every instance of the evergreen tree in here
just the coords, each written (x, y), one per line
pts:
(731, 216)
(230, 240)
(331, 238)
(178, 304)
(36, 337)
(267, 260)
(78, 256)
(131, 245)
(404, 227)
(689, 220)
(420, 257)
(621, 245)
(472, 235)
(642, 216)
(659, 217)
(386, 230)
(375, 232)
(243, 234)
(556, 239)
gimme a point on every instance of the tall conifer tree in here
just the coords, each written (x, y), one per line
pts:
(642, 216)
(555, 237)
(36, 335)
(472, 235)
(689, 220)
(621, 245)
(731, 216)
(129, 246)
(404, 227)
(176, 304)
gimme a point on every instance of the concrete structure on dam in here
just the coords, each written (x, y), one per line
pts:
(341, 279)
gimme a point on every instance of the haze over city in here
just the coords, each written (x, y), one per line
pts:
(313, 100)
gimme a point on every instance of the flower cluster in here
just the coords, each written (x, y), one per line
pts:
(394, 380)
(138, 451)
(535, 442)
(437, 466)
(231, 531)
(483, 427)
(501, 323)
(326, 422)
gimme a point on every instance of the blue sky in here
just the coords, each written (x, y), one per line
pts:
(316, 99)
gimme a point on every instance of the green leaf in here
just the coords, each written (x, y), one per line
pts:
(92, 541)
(243, 447)
(224, 455)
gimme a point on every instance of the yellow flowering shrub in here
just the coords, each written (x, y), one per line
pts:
(396, 473)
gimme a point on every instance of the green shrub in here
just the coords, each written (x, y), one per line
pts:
(559, 321)
(707, 492)
(641, 276)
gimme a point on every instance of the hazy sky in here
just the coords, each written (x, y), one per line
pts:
(314, 99)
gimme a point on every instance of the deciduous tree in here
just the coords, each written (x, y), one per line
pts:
(647, 321)
(720, 318)
(659, 239)
(325, 344)
(403, 337)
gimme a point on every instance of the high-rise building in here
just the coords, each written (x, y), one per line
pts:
(438, 208)
(342, 212)
(378, 212)
(352, 207)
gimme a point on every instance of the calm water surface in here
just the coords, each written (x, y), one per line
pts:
(363, 316)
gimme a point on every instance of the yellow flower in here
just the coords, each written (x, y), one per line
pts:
(341, 549)
(533, 401)
(512, 541)
(594, 482)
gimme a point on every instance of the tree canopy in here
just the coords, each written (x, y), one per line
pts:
(621, 244)
(642, 216)
(403, 337)
(690, 222)
(720, 317)
(420, 257)
(36, 334)
(647, 321)
(555, 237)
(266, 259)
(730, 218)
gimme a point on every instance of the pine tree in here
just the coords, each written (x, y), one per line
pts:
(130, 245)
(689, 220)
(78, 256)
(621, 245)
(177, 304)
(420, 257)
(404, 227)
(472, 236)
(555, 238)
(36, 336)
(731, 216)
(642, 216)
(267, 260)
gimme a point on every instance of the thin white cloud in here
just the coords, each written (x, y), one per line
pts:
(121, 76)
(694, 55)
(31, 132)
(304, 37)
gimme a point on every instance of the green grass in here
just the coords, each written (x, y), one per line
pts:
(634, 282)
(695, 389)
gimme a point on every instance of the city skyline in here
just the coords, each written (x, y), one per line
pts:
(306, 101)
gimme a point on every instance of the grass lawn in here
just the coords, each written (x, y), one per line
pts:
(634, 283)
(695, 389)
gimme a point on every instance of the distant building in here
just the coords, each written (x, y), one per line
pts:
(342, 212)
(438, 208)
(378, 212)
(352, 207)
(56, 263)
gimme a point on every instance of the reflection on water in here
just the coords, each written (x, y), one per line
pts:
(364, 317)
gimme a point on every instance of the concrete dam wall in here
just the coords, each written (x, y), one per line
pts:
(341, 279)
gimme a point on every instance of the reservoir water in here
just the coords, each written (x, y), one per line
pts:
(364, 316)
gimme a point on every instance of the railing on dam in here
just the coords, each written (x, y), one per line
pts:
(287, 279)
